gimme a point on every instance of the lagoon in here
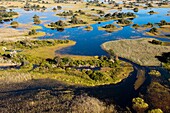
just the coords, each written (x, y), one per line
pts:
(88, 42)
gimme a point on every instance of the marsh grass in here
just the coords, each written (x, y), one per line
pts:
(139, 51)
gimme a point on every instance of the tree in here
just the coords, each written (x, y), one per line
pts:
(14, 24)
(59, 7)
(60, 23)
(135, 10)
(54, 9)
(135, 26)
(155, 111)
(32, 32)
(1, 19)
(35, 16)
(153, 30)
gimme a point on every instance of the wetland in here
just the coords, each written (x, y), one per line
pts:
(90, 56)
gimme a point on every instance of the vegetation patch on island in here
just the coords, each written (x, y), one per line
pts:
(110, 28)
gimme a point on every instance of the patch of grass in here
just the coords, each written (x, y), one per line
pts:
(38, 34)
(139, 51)
(46, 52)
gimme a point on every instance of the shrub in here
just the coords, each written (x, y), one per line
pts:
(139, 105)
(32, 32)
(155, 111)
(54, 9)
(14, 24)
(157, 42)
(135, 26)
(135, 9)
(153, 30)
(59, 7)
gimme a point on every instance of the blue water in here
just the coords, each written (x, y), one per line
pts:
(88, 42)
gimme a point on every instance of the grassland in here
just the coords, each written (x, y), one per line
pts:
(47, 52)
(139, 51)
(14, 34)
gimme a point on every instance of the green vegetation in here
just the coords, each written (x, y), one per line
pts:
(109, 28)
(115, 16)
(156, 42)
(155, 111)
(100, 12)
(163, 22)
(30, 44)
(153, 30)
(58, 24)
(59, 7)
(152, 12)
(54, 9)
(14, 24)
(88, 28)
(36, 19)
(101, 70)
(28, 7)
(75, 20)
(66, 13)
(32, 32)
(149, 5)
(139, 105)
(148, 25)
(155, 73)
(124, 22)
(135, 26)
(135, 9)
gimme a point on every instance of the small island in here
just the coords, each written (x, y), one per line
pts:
(88, 28)
(110, 28)
(152, 12)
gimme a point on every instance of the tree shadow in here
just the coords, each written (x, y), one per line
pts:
(119, 94)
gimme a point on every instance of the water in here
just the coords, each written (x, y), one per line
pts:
(88, 42)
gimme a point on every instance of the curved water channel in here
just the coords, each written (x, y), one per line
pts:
(89, 42)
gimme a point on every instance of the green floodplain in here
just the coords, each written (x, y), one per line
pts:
(133, 77)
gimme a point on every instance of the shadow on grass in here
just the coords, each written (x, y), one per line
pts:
(58, 94)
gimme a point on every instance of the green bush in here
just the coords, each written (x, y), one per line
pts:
(14, 24)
